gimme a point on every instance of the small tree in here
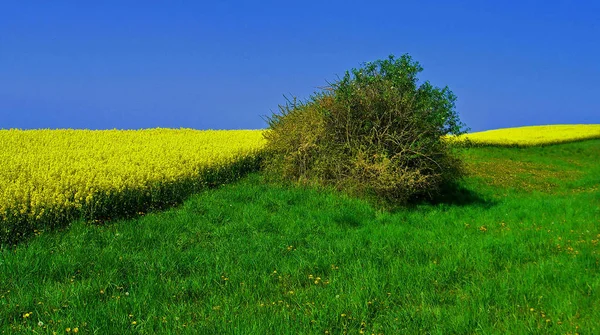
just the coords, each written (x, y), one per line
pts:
(375, 131)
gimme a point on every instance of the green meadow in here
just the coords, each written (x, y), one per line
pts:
(513, 250)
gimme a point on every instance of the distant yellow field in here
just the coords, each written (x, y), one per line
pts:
(535, 135)
(55, 174)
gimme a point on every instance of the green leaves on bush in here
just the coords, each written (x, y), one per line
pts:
(376, 131)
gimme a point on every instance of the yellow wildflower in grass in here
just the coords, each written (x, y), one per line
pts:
(52, 176)
(534, 135)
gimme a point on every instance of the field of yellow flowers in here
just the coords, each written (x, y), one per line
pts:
(535, 135)
(50, 177)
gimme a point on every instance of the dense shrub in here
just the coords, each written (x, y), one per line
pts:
(375, 131)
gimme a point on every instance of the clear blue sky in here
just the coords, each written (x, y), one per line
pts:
(224, 64)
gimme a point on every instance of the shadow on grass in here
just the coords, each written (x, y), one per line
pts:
(456, 195)
(450, 195)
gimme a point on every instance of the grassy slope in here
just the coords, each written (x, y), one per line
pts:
(516, 251)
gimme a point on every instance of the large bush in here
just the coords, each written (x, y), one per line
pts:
(376, 131)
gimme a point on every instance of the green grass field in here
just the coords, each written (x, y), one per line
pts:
(514, 250)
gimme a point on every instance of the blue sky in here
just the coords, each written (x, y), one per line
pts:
(225, 64)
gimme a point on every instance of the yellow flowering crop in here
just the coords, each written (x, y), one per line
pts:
(53, 176)
(535, 135)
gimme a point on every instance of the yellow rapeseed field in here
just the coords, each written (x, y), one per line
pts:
(535, 135)
(53, 176)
